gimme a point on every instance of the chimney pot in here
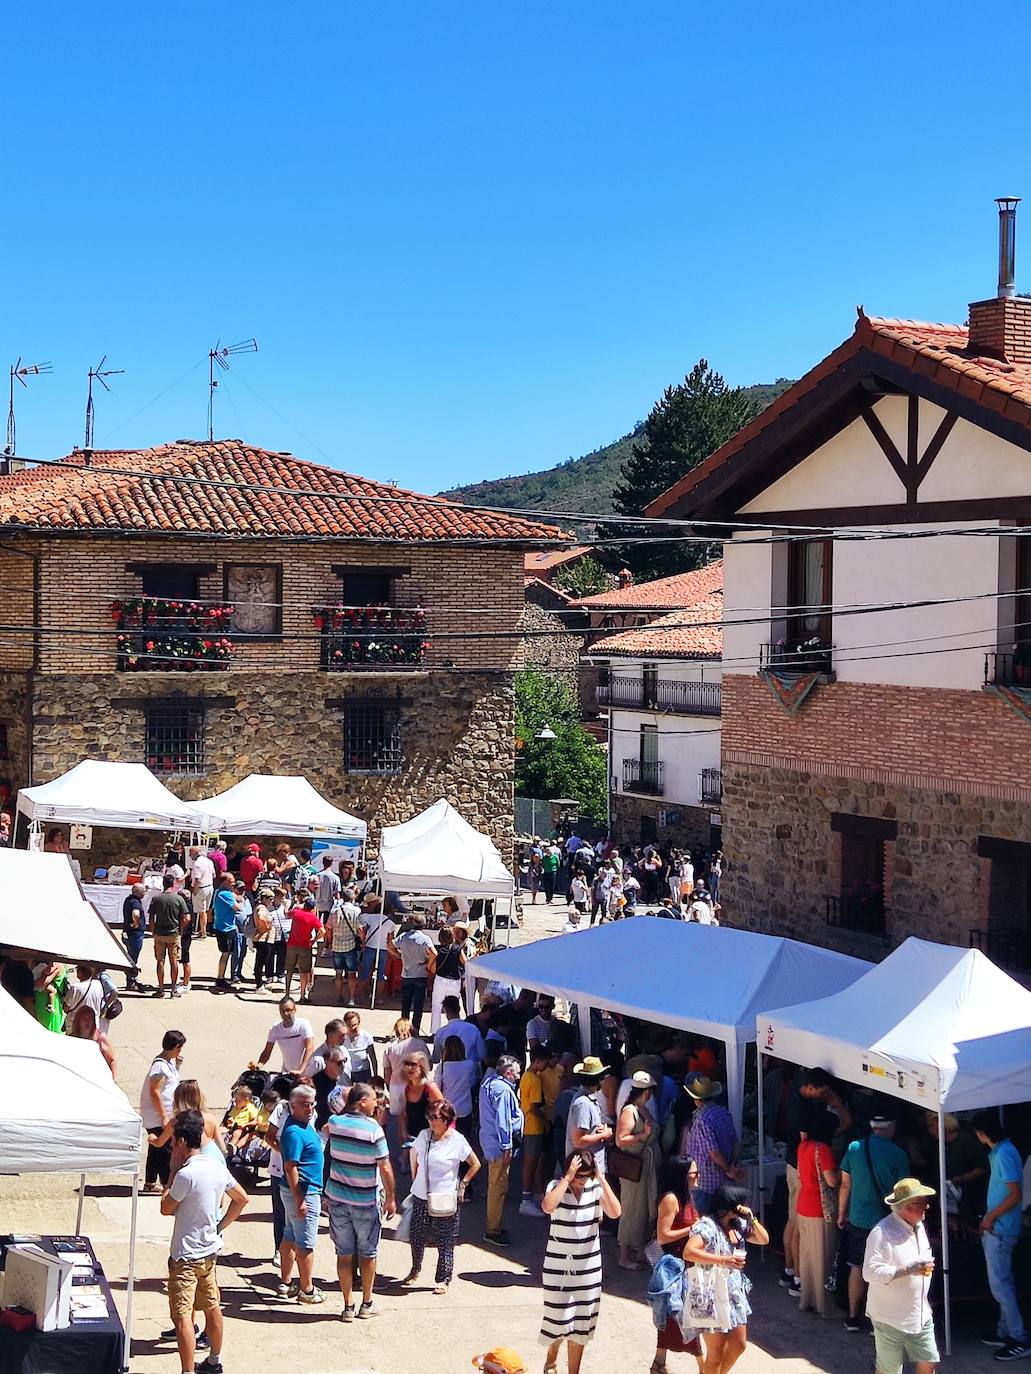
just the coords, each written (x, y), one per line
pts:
(1007, 245)
(1001, 327)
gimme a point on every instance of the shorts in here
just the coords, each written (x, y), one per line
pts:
(166, 944)
(346, 961)
(304, 1233)
(892, 1348)
(380, 957)
(186, 943)
(226, 941)
(202, 898)
(794, 1184)
(192, 1286)
(533, 1146)
(855, 1245)
(298, 960)
(354, 1230)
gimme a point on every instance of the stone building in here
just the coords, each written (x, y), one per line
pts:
(659, 691)
(877, 640)
(213, 610)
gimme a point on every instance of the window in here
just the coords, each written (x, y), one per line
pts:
(4, 747)
(859, 903)
(367, 588)
(255, 591)
(649, 746)
(372, 738)
(170, 583)
(1007, 938)
(809, 591)
(650, 685)
(174, 739)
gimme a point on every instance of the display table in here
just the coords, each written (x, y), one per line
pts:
(109, 898)
(773, 1169)
(92, 1347)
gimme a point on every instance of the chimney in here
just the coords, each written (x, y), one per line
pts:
(1001, 327)
(626, 577)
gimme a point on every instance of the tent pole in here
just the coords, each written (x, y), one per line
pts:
(942, 1180)
(82, 1195)
(132, 1271)
(760, 1154)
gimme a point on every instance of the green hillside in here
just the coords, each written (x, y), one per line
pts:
(578, 484)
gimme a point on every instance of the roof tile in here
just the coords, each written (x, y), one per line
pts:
(664, 593)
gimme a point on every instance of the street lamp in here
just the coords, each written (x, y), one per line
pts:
(545, 733)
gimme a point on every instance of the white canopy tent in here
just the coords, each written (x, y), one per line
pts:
(96, 792)
(42, 912)
(440, 853)
(265, 805)
(934, 1025)
(64, 1114)
(642, 967)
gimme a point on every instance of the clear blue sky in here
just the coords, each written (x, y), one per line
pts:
(474, 239)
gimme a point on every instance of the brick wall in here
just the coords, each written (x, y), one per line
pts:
(1001, 329)
(16, 579)
(462, 589)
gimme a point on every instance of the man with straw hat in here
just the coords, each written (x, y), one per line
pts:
(585, 1128)
(710, 1140)
(898, 1266)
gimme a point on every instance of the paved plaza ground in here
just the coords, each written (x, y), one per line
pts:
(495, 1299)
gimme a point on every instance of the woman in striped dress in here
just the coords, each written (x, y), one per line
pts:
(572, 1261)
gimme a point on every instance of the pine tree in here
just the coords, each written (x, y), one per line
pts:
(686, 424)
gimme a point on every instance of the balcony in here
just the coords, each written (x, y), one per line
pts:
(352, 638)
(710, 786)
(789, 657)
(1005, 948)
(642, 777)
(1009, 670)
(641, 694)
(862, 912)
(161, 636)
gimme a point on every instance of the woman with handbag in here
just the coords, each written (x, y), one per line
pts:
(817, 1209)
(634, 1161)
(716, 1296)
(437, 1192)
(447, 978)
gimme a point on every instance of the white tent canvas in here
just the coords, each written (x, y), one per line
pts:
(439, 852)
(42, 912)
(63, 1112)
(643, 967)
(933, 1024)
(266, 805)
(96, 792)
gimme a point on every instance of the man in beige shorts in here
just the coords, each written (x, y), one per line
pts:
(166, 914)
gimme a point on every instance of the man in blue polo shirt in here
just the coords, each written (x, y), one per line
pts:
(1000, 1231)
(301, 1148)
(870, 1169)
(226, 905)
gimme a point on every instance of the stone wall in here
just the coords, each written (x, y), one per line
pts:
(548, 647)
(457, 738)
(691, 832)
(782, 856)
(14, 763)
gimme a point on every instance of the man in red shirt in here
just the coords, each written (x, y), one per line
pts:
(251, 867)
(306, 930)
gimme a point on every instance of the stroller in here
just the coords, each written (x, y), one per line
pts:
(245, 1160)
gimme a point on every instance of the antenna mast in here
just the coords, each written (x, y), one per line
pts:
(97, 373)
(219, 356)
(19, 373)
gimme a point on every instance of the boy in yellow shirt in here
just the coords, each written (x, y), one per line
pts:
(535, 1127)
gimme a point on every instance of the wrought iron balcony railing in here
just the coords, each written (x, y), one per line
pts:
(862, 912)
(156, 634)
(787, 656)
(710, 786)
(355, 637)
(684, 698)
(642, 777)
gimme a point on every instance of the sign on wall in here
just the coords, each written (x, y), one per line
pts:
(80, 837)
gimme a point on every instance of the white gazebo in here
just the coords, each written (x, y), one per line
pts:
(97, 792)
(42, 912)
(440, 854)
(263, 804)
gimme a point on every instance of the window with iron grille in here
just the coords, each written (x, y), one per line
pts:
(174, 739)
(372, 738)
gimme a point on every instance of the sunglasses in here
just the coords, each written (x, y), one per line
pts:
(412, 1064)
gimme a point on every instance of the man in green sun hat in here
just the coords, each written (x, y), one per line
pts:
(898, 1265)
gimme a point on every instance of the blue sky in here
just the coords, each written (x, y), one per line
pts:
(474, 239)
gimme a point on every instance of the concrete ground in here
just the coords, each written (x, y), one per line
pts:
(495, 1299)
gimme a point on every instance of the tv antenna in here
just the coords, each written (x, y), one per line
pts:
(19, 372)
(219, 356)
(97, 374)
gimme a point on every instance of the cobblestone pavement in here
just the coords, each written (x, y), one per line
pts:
(494, 1300)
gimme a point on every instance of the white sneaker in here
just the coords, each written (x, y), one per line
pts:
(184, 988)
(175, 991)
(529, 1208)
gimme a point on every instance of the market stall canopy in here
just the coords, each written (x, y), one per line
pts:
(267, 805)
(63, 1112)
(441, 853)
(932, 1024)
(42, 912)
(96, 792)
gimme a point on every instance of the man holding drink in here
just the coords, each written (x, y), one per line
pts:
(898, 1265)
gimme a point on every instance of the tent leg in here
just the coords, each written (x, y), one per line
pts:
(583, 1023)
(760, 1155)
(132, 1271)
(82, 1197)
(942, 1180)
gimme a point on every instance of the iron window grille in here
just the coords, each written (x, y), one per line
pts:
(174, 739)
(372, 738)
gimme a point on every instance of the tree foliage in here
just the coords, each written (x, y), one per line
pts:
(686, 424)
(583, 578)
(571, 765)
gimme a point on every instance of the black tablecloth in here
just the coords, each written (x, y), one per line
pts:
(82, 1348)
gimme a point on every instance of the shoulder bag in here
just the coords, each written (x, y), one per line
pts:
(440, 1202)
(828, 1195)
(624, 1164)
(881, 1190)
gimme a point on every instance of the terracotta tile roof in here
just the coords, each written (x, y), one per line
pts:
(665, 593)
(140, 496)
(672, 636)
(543, 561)
(938, 351)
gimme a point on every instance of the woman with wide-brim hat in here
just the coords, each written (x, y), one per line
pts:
(636, 1134)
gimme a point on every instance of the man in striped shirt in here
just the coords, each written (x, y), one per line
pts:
(359, 1161)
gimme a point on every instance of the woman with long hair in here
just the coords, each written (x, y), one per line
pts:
(82, 1025)
(818, 1180)
(396, 1052)
(189, 1098)
(637, 1135)
(676, 1215)
(458, 1079)
(718, 1240)
(420, 1093)
(438, 1155)
(447, 979)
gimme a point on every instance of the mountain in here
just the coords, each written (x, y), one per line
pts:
(578, 484)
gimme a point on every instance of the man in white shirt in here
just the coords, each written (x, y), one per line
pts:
(898, 1265)
(202, 888)
(156, 1107)
(377, 928)
(295, 1039)
(199, 1181)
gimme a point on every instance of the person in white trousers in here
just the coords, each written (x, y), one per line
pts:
(447, 980)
